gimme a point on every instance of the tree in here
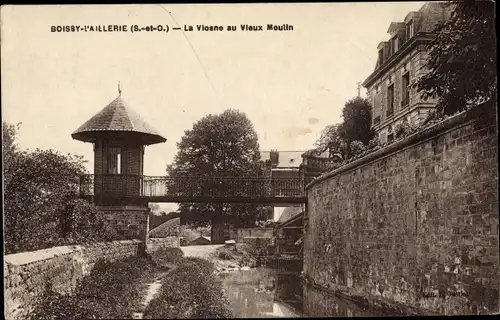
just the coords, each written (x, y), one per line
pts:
(330, 140)
(338, 138)
(462, 58)
(224, 145)
(41, 204)
(357, 122)
(155, 208)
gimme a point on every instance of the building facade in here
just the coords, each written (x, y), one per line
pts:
(400, 61)
(282, 165)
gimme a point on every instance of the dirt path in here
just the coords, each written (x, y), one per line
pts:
(205, 252)
(150, 291)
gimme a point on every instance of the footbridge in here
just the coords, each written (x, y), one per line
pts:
(264, 190)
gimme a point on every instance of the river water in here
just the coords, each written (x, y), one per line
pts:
(264, 292)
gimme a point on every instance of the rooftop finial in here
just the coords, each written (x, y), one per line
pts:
(119, 90)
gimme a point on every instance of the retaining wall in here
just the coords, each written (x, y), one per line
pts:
(414, 224)
(26, 273)
(162, 243)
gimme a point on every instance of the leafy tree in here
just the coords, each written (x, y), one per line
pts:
(223, 145)
(330, 140)
(155, 208)
(357, 122)
(41, 204)
(462, 58)
(338, 138)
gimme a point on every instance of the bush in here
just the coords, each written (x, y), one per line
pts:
(110, 291)
(224, 255)
(242, 254)
(54, 306)
(167, 257)
(42, 208)
(189, 291)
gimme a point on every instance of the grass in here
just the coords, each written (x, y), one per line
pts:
(114, 291)
(111, 291)
(191, 290)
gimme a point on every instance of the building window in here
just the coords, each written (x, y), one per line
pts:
(401, 41)
(409, 30)
(390, 101)
(114, 161)
(390, 138)
(406, 90)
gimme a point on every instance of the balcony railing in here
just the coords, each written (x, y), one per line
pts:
(186, 189)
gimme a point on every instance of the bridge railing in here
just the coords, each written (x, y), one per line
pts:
(119, 185)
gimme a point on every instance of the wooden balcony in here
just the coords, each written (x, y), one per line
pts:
(194, 189)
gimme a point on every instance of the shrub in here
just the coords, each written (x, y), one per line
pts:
(189, 291)
(357, 147)
(54, 306)
(110, 291)
(241, 253)
(42, 208)
(167, 257)
(224, 255)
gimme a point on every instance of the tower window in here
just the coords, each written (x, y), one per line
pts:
(114, 161)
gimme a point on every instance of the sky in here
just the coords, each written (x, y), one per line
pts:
(291, 84)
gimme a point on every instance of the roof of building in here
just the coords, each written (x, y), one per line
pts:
(286, 159)
(202, 238)
(289, 213)
(165, 229)
(117, 117)
(424, 22)
(290, 219)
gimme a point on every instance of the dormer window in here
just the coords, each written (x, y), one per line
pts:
(394, 45)
(381, 56)
(409, 30)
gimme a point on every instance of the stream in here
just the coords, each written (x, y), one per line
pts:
(264, 292)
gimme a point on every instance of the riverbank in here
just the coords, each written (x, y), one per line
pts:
(238, 256)
(190, 290)
(164, 285)
(111, 290)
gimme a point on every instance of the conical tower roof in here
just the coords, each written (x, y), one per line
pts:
(118, 119)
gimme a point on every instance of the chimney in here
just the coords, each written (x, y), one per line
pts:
(274, 157)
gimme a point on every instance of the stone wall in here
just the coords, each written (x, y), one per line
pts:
(239, 234)
(155, 244)
(130, 221)
(415, 223)
(260, 245)
(26, 273)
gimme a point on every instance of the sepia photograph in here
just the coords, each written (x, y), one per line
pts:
(250, 160)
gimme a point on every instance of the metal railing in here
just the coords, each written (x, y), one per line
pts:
(119, 185)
